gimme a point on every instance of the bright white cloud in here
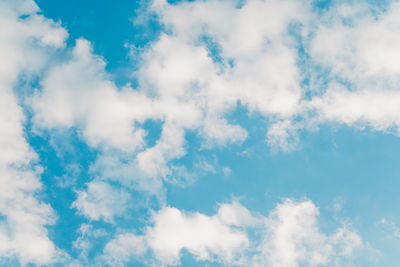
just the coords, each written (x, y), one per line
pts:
(360, 48)
(187, 86)
(23, 217)
(365, 48)
(376, 108)
(180, 84)
(201, 235)
(188, 89)
(290, 237)
(263, 75)
(78, 94)
(183, 85)
(218, 237)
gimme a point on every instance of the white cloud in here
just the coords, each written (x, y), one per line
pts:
(24, 47)
(187, 86)
(84, 243)
(78, 94)
(376, 108)
(264, 75)
(364, 54)
(392, 229)
(101, 200)
(201, 235)
(180, 83)
(290, 236)
(365, 48)
(205, 237)
(236, 214)
(23, 220)
(283, 135)
(121, 249)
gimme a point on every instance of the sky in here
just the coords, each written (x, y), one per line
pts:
(199, 133)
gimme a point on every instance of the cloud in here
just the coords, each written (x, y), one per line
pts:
(290, 236)
(181, 85)
(84, 242)
(201, 235)
(200, 67)
(78, 94)
(205, 237)
(179, 82)
(211, 57)
(282, 135)
(390, 227)
(376, 108)
(258, 65)
(101, 200)
(23, 216)
(121, 249)
(359, 49)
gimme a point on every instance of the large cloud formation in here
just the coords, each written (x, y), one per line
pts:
(24, 45)
(210, 58)
(290, 237)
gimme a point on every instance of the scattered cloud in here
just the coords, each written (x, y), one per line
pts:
(290, 236)
(101, 200)
(210, 57)
(23, 215)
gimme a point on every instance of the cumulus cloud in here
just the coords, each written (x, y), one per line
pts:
(359, 49)
(101, 200)
(78, 94)
(23, 216)
(211, 57)
(258, 65)
(181, 84)
(214, 55)
(290, 236)
(205, 237)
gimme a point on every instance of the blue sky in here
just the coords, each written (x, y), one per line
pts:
(199, 133)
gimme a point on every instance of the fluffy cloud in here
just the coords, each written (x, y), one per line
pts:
(179, 81)
(23, 217)
(182, 84)
(290, 237)
(211, 57)
(376, 108)
(102, 201)
(257, 60)
(205, 237)
(360, 50)
(197, 72)
(78, 94)
(359, 45)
